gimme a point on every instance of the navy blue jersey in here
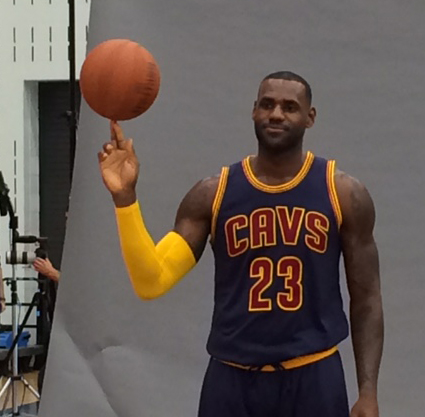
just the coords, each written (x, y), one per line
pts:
(277, 251)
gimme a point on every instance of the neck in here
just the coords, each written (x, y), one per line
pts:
(280, 166)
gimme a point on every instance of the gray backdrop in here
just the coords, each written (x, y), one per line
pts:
(114, 355)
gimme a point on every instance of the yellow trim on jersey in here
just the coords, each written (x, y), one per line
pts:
(282, 187)
(332, 191)
(289, 364)
(219, 198)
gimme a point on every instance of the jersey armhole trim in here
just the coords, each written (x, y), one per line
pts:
(222, 183)
(332, 191)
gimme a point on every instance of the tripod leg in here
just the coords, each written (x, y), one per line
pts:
(17, 333)
(32, 389)
(3, 390)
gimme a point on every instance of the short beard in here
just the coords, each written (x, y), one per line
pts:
(277, 145)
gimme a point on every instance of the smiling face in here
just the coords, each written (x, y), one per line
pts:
(281, 114)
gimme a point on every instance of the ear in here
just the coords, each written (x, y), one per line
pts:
(311, 117)
(253, 110)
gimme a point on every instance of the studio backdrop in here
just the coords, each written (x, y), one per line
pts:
(112, 354)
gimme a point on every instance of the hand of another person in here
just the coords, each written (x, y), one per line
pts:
(45, 267)
(119, 167)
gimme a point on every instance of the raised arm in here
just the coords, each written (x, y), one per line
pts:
(154, 268)
(193, 219)
(362, 271)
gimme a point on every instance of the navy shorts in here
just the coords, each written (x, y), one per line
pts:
(314, 390)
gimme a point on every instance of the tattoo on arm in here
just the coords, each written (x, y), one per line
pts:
(193, 220)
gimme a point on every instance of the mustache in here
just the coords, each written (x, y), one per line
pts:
(282, 126)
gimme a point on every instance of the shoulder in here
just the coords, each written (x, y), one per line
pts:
(199, 199)
(206, 187)
(354, 199)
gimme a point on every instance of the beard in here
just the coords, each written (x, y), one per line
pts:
(283, 139)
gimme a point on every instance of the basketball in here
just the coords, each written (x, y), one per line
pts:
(119, 79)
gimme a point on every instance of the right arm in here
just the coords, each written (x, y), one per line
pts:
(154, 268)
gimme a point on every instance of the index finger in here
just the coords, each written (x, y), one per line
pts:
(118, 134)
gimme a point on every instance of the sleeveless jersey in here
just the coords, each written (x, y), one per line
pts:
(277, 251)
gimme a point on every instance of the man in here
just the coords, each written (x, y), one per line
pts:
(278, 222)
(2, 295)
(45, 267)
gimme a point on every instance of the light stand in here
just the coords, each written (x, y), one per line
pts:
(6, 207)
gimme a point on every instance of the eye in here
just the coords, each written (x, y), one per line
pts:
(266, 104)
(290, 107)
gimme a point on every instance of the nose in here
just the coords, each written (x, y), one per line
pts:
(277, 114)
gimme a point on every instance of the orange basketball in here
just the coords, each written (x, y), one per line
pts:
(119, 79)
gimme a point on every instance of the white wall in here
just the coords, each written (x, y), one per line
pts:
(33, 47)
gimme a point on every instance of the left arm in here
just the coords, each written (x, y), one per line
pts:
(362, 270)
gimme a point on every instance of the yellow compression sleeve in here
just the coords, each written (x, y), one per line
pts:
(153, 269)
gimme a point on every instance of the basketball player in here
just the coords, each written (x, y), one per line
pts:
(278, 222)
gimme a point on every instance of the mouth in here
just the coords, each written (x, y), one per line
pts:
(275, 129)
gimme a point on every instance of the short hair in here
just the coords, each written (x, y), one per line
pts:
(291, 76)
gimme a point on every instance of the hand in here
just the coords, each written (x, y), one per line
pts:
(119, 167)
(45, 267)
(2, 305)
(366, 406)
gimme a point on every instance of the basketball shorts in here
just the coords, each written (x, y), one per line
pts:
(314, 390)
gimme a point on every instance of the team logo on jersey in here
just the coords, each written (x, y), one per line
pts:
(265, 226)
